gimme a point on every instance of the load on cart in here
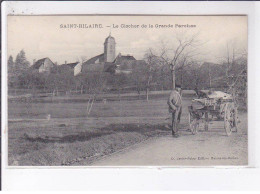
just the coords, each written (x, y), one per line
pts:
(213, 106)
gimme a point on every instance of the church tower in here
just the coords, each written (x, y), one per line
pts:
(109, 49)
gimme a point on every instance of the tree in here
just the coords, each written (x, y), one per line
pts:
(94, 83)
(138, 77)
(21, 63)
(79, 82)
(11, 75)
(190, 76)
(17, 69)
(152, 65)
(117, 82)
(10, 63)
(234, 61)
(182, 50)
(162, 77)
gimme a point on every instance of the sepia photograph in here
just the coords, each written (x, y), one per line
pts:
(127, 90)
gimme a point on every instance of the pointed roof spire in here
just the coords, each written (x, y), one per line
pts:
(109, 37)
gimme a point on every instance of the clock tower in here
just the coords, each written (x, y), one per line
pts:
(109, 49)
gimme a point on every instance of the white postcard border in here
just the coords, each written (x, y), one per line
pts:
(139, 178)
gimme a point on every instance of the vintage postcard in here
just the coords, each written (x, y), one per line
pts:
(127, 90)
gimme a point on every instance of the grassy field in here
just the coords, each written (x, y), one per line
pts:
(71, 135)
(68, 135)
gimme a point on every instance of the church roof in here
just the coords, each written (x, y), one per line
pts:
(93, 60)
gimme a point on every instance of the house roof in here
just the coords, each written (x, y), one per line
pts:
(71, 65)
(120, 58)
(38, 63)
(94, 59)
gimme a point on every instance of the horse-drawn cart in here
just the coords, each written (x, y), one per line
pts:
(213, 106)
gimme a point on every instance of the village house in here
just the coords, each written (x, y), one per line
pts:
(67, 66)
(73, 67)
(70, 65)
(43, 65)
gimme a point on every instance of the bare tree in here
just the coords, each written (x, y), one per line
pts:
(95, 83)
(153, 63)
(185, 63)
(138, 77)
(234, 60)
(177, 56)
(190, 74)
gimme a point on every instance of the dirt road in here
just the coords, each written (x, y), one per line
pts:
(206, 148)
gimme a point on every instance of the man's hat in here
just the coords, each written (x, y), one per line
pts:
(177, 86)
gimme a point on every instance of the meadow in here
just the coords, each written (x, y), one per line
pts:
(59, 131)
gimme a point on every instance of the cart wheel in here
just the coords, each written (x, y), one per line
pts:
(235, 119)
(230, 118)
(194, 124)
(206, 123)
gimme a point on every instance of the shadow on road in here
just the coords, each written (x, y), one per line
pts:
(83, 136)
(144, 129)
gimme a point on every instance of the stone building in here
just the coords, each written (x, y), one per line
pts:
(109, 62)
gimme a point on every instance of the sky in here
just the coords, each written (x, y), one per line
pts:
(45, 36)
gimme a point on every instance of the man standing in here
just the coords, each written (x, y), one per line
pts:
(175, 107)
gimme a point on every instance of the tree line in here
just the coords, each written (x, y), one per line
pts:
(163, 68)
(21, 76)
